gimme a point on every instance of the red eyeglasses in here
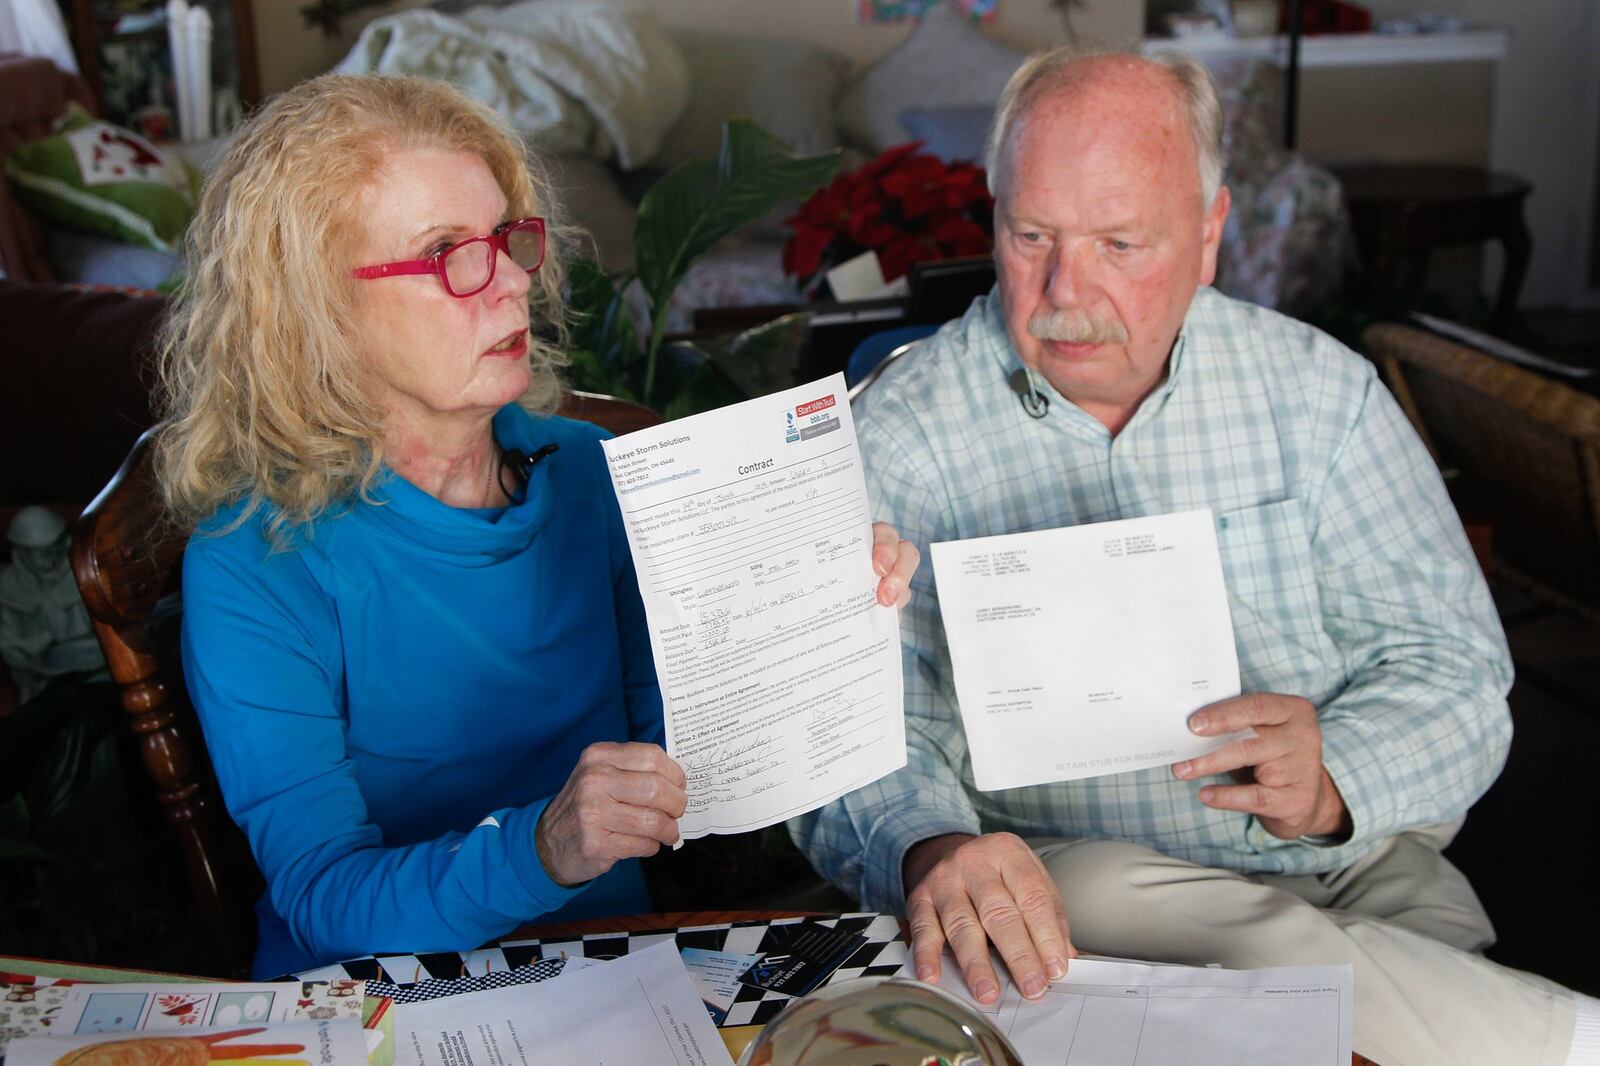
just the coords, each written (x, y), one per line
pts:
(467, 267)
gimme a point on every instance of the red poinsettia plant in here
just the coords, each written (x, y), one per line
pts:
(906, 205)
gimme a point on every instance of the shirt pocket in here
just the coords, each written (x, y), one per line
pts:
(1269, 570)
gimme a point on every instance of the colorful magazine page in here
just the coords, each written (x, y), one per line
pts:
(331, 1042)
(28, 1009)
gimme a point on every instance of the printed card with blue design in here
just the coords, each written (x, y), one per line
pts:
(82, 1009)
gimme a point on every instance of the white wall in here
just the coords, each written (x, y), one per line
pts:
(1406, 113)
(1542, 125)
(289, 51)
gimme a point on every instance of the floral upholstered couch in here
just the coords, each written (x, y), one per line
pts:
(1287, 238)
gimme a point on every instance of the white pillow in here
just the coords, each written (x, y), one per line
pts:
(789, 87)
(946, 60)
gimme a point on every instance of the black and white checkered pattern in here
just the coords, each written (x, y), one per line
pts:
(434, 988)
(417, 977)
(406, 970)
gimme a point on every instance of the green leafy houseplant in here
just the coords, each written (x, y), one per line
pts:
(696, 204)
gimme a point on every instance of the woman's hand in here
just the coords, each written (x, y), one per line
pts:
(622, 801)
(894, 560)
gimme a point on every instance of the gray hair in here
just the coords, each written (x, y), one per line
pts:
(1044, 70)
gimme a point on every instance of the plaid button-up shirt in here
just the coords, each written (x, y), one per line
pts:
(1349, 579)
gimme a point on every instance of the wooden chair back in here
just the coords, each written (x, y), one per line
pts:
(126, 556)
(1526, 450)
(610, 413)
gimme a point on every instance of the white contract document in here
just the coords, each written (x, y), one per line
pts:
(752, 540)
(1114, 1013)
(1083, 651)
(641, 1008)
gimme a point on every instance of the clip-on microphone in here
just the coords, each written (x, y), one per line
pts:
(1036, 403)
(522, 465)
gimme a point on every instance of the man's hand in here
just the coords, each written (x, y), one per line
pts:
(894, 561)
(968, 891)
(622, 801)
(1286, 786)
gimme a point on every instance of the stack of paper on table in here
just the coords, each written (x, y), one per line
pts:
(411, 978)
(641, 1008)
(645, 1008)
(1109, 1012)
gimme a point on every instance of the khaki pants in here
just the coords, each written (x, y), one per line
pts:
(1405, 918)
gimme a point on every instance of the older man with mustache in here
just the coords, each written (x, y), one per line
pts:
(1104, 379)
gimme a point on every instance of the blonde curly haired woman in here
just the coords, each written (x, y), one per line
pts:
(411, 626)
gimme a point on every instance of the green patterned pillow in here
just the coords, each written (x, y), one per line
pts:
(91, 175)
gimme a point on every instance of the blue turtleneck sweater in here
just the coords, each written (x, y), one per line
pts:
(391, 702)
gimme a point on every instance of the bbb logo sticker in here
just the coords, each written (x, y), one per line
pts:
(810, 419)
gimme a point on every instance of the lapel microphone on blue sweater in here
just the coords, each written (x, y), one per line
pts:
(521, 466)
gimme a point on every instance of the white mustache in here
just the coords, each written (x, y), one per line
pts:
(1076, 327)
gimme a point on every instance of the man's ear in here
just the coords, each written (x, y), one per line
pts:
(1216, 216)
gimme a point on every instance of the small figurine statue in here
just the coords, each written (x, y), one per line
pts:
(44, 629)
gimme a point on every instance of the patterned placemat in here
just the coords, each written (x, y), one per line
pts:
(437, 988)
(423, 976)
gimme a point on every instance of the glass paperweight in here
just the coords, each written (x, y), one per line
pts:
(880, 1022)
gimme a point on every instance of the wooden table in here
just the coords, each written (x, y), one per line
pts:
(1401, 213)
(737, 1038)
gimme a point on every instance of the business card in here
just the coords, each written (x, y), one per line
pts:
(801, 957)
